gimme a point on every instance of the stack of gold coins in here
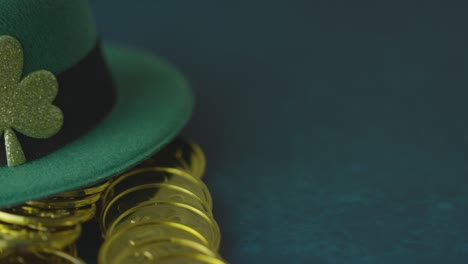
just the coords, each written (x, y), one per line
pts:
(45, 231)
(160, 212)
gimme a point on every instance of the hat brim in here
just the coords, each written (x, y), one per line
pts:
(154, 103)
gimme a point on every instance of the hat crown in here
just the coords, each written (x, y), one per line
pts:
(55, 35)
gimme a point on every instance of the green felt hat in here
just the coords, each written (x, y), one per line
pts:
(75, 110)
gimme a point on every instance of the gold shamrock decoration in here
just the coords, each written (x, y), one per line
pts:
(25, 104)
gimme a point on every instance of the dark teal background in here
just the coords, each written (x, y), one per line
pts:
(335, 131)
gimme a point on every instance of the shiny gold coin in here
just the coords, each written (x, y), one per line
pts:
(40, 212)
(136, 235)
(181, 154)
(172, 212)
(155, 228)
(189, 258)
(158, 175)
(87, 191)
(157, 192)
(151, 250)
(66, 203)
(18, 238)
(37, 218)
(42, 256)
(28, 210)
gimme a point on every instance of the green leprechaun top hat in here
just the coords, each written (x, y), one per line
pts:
(75, 110)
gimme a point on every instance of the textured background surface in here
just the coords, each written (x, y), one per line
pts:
(335, 132)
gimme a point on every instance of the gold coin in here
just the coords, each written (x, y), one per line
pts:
(158, 175)
(188, 258)
(31, 217)
(40, 212)
(151, 250)
(42, 256)
(136, 235)
(65, 203)
(173, 212)
(155, 228)
(87, 191)
(142, 176)
(149, 192)
(14, 238)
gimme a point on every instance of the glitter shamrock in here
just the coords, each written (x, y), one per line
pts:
(25, 104)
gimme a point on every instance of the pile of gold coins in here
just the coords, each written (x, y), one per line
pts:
(45, 231)
(158, 212)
